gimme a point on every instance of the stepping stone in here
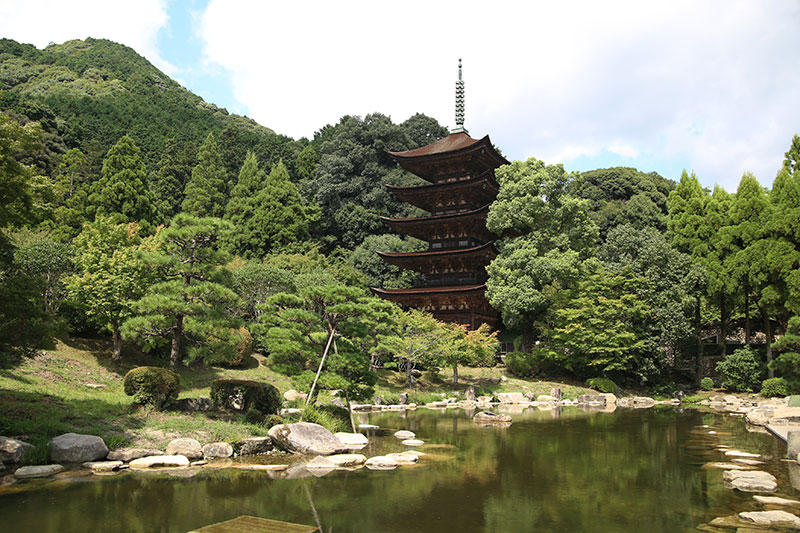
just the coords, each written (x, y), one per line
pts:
(738, 453)
(320, 462)
(726, 466)
(751, 462)
(404, 434)
(102, 466)
(29, 472)
(381, 462)
(352, 439)
(772, 519)
(268, 468)
(403, 458)
(751, 480)
(368, 426)
(343, 460)
(774, 500)
(159, 460)
(412, 442)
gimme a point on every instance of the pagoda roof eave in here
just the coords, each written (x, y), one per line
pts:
(453, 144)
(430, 187)
(448, 289)
(433, 218)
(439, 253)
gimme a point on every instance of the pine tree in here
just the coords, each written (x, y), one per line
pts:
(122, 189)
(205, 193)
(792, 161)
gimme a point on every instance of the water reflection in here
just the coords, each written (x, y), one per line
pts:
(555, 470)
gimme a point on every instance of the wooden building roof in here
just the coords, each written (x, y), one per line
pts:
(443, 261)
(480, 190)
(439, 227)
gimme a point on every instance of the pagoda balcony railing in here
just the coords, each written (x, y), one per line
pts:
(454, 244)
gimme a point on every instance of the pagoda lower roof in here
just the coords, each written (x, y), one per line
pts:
(448, 289)
(436, 227)
(441, 261)
(481, 190)
(458, 152)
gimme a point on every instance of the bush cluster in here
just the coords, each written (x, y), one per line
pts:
(328, 416)
(741, 371)
(242, 395)
(604, 385)
(774, 387)
(706, 383)
(152, 385)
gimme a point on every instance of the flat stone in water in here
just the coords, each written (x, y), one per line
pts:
(381, 462)
(29, 472)
(268, 468)
(412, 442)
(352, 439)
(102, 466)
(750, 462)
(775, 500)
(129, 454)
(160, 460)
(320, 462)
(771, 519)
(404, 434)
(739, 453)
(726, 466)
(343, 460)
(751, 480)
(368, 426)
(403, 458)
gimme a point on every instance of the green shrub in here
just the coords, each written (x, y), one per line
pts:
(152, 385)
(241, 395)
(604, 385)
(520, 364)
(328, 416)
(706, 383)
(741, 371)
(774, 387)
(665, 390)
(272, 420)
(254, 416)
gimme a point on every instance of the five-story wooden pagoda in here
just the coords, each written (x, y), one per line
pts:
(462, 185)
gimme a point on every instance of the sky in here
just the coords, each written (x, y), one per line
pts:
(711, 87)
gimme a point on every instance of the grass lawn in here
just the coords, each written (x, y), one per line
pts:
(76, 387)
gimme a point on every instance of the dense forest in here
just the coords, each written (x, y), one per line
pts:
(131, 207)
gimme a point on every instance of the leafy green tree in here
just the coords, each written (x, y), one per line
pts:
(418, 339)
(109, 275)
(189, 305)
(307, 161)
(792, 161)
(787, 363)
(597, 327)
(122, 188)
(468, 347)
(205, 193)
(378, 272)
(547, 234)
(48, 262)
(71, 190)
(423, 129)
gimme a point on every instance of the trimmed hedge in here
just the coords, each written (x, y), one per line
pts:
(707, 383)
(152, 385)
(241, 395)
(774, 387)
(604, 385)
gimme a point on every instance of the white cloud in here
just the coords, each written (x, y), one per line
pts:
(41, 22)
(712, 86)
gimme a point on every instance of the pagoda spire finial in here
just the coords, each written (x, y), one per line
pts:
(459, 103)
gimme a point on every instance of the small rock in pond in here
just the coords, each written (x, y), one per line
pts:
(381, 462)
(201, 462)
(305, 437)
(726, 466)
(255, 446)
(352, 439)
(403, 458)
(749, 462)
(75, 448)
(737, 453)
(404, 434)
(320, 462)
(771, 519)
(217, 450)
(29, 472)
(268, 468)
(160, 460)
(490, 417)
(368, 426)
(343, 460)
(412, 442)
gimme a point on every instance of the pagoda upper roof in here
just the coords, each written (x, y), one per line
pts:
(454, 153)
(478, 191)
(472, 223)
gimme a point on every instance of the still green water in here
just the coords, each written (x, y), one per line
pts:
(631, 470)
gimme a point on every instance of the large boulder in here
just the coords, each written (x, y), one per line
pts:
(216, 450)
(75, 448)
(305, 437)
(470, 394)
(255, 446)
(292, 395)
(129, 454)
(511, 397)
(189, 448)
(13, 450)
(28, 472)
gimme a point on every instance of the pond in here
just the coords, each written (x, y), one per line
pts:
(631, 470)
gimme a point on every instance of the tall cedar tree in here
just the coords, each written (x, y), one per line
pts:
(720, 285)
(189, 306)
(122, 189)
(172, 175)
(206, 191)
(243, 205)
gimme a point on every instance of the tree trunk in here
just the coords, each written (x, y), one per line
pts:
(116, 338)
(699, 357)
(527, 335)
(455, 374)
(350, 412)
(408, 373)
(321, 364)
(768, 331)
(747, 317)
(177, 337)
(723, 326)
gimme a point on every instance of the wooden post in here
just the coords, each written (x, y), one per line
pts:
(321, 364)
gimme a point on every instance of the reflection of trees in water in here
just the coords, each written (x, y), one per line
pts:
(578, 472)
